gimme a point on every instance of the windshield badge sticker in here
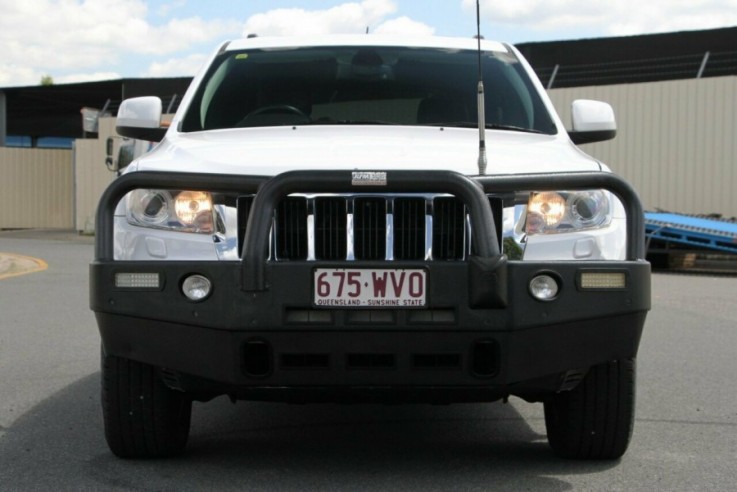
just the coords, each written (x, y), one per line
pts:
(369, 178)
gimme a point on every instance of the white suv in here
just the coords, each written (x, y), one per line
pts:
(314, 226)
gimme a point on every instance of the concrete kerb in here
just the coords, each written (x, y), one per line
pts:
(47, 235)
(13, 264)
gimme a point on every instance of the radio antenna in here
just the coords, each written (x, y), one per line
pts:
(481, 105)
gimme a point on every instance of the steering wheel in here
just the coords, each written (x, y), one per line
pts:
(276, 108)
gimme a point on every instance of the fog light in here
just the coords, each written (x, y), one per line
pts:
(196, 287)
(603, 280)
(544, 287)
(129, 280)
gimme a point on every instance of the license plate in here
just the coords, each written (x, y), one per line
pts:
(370, 287)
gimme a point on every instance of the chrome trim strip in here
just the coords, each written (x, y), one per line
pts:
(429, 211)
(467, 237)
(389, 229)
(350, 254)
(310, 230)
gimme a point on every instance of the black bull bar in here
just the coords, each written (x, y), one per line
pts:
(260, 303)
(271, 190)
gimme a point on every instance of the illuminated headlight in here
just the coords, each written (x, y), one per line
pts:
(185, 211)
(196, 287)
(567, 211)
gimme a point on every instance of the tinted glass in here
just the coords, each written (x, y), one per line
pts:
(364, 85)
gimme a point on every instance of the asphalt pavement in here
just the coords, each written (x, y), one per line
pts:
(685, 436)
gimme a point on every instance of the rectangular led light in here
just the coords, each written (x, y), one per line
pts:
(603, 280)
(137, 280)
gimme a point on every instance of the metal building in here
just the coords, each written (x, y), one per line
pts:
(675, 98)
(674, 94)
(676, 141)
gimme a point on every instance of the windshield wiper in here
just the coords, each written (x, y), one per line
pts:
(458, 124)
(489, 126)
(330, 121)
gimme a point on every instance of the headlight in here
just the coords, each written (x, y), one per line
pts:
(185, 211)
(567, 211)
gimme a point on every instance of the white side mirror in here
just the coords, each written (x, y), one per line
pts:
(593, 121)
(140, 118)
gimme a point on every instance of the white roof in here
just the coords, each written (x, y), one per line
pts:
(365, 40)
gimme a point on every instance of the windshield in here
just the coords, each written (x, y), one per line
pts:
(364, 85)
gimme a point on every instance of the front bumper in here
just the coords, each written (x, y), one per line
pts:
(481, 336)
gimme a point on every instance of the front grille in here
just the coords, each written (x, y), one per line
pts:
(338, 228)
(409, 229)
(448, 229)
(291, 229)
(330, 228)
(369, 228)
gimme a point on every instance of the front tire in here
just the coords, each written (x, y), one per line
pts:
(143, 417)
(595, 419)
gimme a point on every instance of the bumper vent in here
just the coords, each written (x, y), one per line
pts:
(338, 228)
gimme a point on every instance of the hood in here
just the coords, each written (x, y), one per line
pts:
(273, 150)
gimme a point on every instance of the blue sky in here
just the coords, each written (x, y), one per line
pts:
(81, 40)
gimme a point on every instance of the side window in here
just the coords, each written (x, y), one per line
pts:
(126, 153)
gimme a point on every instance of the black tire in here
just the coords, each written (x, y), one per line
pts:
(143, 417)
(595, 419)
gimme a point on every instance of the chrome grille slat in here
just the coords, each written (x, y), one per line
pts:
(350, 235)
(389, 244)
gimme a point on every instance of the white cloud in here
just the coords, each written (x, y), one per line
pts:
(62, 36)
(346, 18)
(405, 26)
(176, 35)
(623, 17)
(13, 75)
(86, 77)
(73, 39)
(675, 15)
(25, 76)
(176, 67)
(70, 38)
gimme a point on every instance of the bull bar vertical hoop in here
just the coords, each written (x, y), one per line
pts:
(255, 243)
(116, 191)
(581, 181)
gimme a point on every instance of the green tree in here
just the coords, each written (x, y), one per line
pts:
(47, 80)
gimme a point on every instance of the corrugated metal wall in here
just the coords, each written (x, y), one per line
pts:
(677, 144)
(91, 176)
(676, 141)
(36, 188)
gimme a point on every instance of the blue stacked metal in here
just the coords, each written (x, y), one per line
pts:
(701, 232)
